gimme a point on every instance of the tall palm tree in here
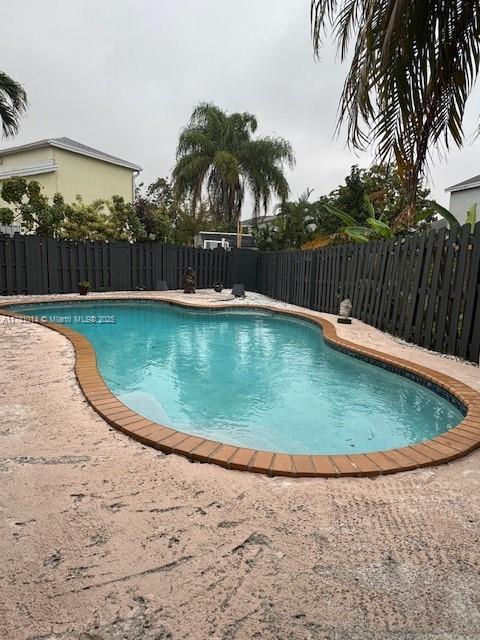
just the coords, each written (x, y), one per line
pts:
(13, 102)
(216, 154)
(414, 65)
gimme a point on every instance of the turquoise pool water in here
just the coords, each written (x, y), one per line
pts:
(251, 379)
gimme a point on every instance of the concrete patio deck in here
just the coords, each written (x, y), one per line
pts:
(103, 538)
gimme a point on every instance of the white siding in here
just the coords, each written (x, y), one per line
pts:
(461, 201)
(10, 229)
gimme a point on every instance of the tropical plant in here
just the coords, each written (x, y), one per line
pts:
(377, 227)
(30, 208)
(157, 209)
(414, 65)
(112, 219)
(123, 222)
(265, 237)
(13, 103)
(171, 219)
(295, 224)
(385, 191)
(217, 155)
(296, 220)
(452, 220)
(84, 287)
(84, 221)
(375, 194)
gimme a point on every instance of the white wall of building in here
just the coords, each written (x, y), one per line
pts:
(461, 201)
(10, 229)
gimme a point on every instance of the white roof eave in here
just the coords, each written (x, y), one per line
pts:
(463, 187)
(65, 146)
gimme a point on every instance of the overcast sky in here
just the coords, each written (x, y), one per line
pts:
(124, 75)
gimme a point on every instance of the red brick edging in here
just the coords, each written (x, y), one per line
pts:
(450, 445)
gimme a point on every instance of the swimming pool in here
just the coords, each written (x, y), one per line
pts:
(251, 379)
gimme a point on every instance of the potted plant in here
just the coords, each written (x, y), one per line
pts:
(84, 287)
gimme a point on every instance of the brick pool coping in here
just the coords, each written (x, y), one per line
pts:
(446, 447)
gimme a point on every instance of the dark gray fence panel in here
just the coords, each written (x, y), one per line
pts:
(20, 264)
(470, 333)
(31, 264)
(413, 287)
(243, 264)
(6, 261)
(424, 288)
(32, 246)
(457, 293)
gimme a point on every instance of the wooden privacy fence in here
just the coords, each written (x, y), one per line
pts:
(424, 288)
(31, 264)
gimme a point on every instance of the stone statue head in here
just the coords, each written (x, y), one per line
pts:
(345, 309)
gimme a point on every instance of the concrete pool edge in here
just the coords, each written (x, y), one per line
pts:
(446, 447)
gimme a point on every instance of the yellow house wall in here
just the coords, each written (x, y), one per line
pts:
(76, 175)
(26, 158)
(91, 178)
(29, 159)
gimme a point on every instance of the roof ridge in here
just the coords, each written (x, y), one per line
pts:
(75, 147)
(465, 183)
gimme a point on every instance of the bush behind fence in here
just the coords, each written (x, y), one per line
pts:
(424, 288)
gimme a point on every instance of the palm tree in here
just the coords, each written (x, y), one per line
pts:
(414, 65)
(295, 221)
(13, 102)
(217, 154)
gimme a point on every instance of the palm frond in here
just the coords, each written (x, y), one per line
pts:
(380, 228)
(413, 67)
(370, 207)
(347, 219)
(13, 104)
(445, 213)
(359, 234)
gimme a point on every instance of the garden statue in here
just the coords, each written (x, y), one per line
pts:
(218, 287)
(344, 312)
(189, 281)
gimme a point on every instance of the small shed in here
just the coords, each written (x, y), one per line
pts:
(223, 240)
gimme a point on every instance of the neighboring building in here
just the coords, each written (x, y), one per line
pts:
(71, 168)
(222, 240)
(462, 196)
(258, 222)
